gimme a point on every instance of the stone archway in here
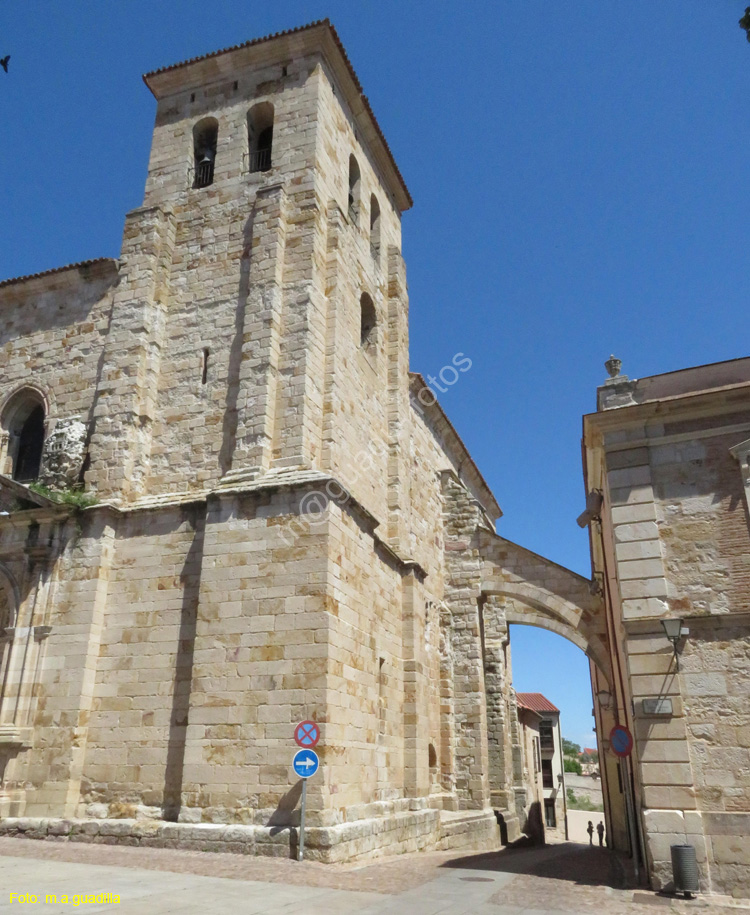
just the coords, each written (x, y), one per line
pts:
(521, 587)
(490, 583)
(538, 592)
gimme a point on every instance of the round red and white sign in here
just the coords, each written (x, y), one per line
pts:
(621, 741)
(306, 734)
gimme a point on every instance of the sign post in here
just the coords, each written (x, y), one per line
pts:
(305, 764)
(301, 846)
(621, 744)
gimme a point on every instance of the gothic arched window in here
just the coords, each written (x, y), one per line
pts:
(28, 460)
(24, 422)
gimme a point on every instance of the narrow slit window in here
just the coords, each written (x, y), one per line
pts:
(205, 139)
(355, 184)
(374, 227)
(204, 366)
(368, 321)
(381, 696)
(260, 137)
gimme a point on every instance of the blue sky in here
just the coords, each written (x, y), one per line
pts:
(579, 173)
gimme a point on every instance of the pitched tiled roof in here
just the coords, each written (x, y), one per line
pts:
(536, 702)
(236, 47)
(302, 28)
(76, 266)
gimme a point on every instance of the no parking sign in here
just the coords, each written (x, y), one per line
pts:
(621, 741)
(305, 764)
(306, 734)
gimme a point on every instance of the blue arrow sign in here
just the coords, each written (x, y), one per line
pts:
(305, 763)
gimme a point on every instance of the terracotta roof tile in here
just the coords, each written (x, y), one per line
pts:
(76, 266)
(536, 702)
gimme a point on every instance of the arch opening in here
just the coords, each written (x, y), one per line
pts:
(552, 684)
(24, 421)
(260, 136)
(205, 141)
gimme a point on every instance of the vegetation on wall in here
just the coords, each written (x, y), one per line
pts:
(76, 498)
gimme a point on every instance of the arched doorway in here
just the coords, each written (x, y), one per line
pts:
(490, 584)
(520, 588)
(552, 683)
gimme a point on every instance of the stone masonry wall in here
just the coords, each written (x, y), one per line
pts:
(136, 730)
(679, 525)
(52, 333)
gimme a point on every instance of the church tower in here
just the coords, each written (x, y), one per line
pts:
(275, 494)
(260, 323)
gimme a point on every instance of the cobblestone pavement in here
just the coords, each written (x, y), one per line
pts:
(563, 878)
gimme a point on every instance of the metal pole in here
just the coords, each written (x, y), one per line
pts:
(630, 816)
(301, 848)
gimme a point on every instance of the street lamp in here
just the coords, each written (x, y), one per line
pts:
(673, 630)
(605, 698)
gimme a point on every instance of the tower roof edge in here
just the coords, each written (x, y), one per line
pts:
(321, 33)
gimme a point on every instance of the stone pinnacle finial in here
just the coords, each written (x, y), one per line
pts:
(613, 366)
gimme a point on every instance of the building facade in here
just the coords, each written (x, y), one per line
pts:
(248, 511)
(544, 771)
(666, 458)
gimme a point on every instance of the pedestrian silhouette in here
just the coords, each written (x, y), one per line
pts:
(590, 831)
(600, 831)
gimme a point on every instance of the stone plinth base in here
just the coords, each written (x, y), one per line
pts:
(403, 832)
(469, 829)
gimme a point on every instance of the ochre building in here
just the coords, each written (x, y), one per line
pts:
(669, 458)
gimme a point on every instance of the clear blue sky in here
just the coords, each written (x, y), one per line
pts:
(580, 177)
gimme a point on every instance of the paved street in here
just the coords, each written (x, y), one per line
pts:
(558, 879)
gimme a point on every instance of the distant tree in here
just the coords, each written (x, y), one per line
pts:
(572, 765)
(570, 748)
(581, 803)
(745, 22)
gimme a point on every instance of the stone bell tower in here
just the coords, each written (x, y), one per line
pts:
(260, 322)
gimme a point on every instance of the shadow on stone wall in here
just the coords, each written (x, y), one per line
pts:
(190, 577)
